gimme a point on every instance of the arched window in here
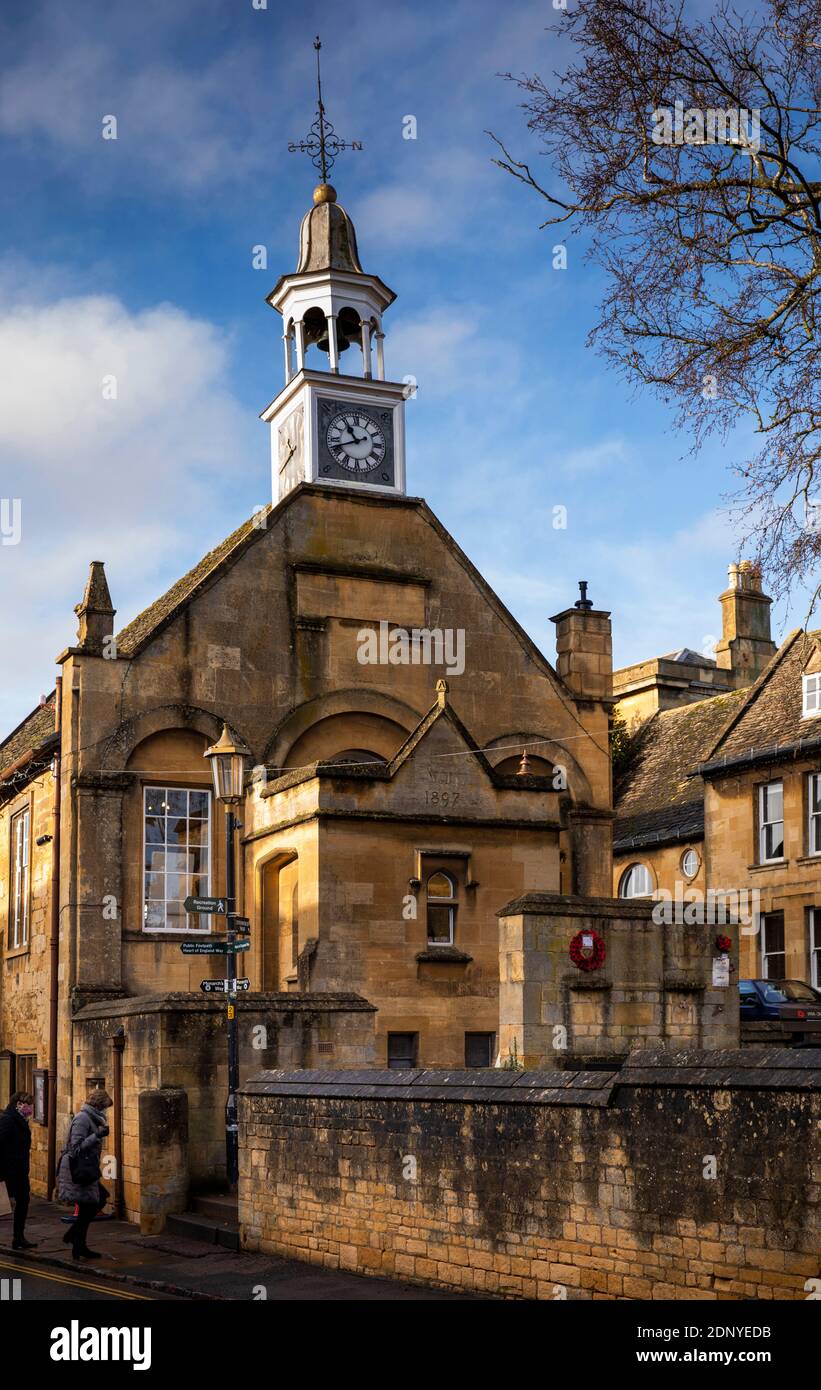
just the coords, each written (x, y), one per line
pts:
(441, 893)
(636, 882)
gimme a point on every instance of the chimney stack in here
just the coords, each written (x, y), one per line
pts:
(746, 645)
(584, 648)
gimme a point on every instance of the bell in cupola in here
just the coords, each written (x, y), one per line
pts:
(348, 329)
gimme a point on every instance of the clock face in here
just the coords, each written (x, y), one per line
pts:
(356, 441)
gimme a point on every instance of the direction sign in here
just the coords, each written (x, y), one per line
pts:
(236, 923)
(218, 905)
(212, 948)
(223, 986)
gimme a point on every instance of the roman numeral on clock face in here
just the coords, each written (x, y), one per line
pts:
(355, 440)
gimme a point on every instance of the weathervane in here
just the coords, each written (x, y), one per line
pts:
(323, 144)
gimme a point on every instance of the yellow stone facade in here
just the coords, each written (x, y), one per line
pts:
(334, 858)
(697, 786)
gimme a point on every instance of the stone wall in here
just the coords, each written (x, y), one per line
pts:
(691, 1176)
(653, 987)
(175, 1045)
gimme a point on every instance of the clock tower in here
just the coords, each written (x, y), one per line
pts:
(337, 419)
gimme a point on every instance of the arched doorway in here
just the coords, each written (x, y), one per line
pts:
(280, 921)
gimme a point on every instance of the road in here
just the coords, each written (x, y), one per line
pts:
(57, 1285)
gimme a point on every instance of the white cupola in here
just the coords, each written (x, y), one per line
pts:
(337, 419)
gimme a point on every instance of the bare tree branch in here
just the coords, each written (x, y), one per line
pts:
(710, 236)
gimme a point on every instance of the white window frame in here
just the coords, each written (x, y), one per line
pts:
(766, 953)
(764, 824)
(634, 870)
(814, 816)
(20, 878)
(451, 903)
(811, 696)
(814, 932)
(697, 857)
(194, 925)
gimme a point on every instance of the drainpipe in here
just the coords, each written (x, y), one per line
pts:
(118, 1047)
(54, 950)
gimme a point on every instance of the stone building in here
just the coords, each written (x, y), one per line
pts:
(685, 677)
(723, 798)
(384, 697)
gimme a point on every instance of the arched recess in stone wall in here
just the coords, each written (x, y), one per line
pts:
(324, 727)
(500, 751)
(120, 747)
(276, 892)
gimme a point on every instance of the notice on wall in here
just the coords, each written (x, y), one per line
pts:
(721, 972)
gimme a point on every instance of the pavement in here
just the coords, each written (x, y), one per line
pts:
(176, 1266)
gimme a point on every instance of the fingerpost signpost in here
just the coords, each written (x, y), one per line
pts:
(227, 769)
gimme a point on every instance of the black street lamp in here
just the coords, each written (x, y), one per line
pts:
(227, 769)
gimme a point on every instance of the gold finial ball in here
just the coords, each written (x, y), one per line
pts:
(324, 193)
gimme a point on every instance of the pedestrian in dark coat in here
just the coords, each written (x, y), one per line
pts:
(82, 1186)
(15, 1153)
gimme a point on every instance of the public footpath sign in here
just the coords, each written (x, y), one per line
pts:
(212, 948)
(236, 923)
(224, 986)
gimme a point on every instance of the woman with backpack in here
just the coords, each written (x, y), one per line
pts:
(78, 1174)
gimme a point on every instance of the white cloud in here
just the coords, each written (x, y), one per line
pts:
(605, 454)
(176, 125)
(145, 482)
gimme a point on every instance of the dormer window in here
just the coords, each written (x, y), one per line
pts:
(811, 696)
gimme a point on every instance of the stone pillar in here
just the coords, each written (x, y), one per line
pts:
(163, 1156)
(591, 851)
(299, 334)
(333, 341)
(380, 354)
(366, 349)
(99, 905)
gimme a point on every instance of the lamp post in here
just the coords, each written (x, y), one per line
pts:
(227, 767)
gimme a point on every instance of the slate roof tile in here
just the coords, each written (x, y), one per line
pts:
(657, 801)
(34, 728)
(770, 716)
(143, 627)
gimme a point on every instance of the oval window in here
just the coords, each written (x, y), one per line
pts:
(690, 863)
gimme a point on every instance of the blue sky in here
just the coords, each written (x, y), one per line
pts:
(134, 257)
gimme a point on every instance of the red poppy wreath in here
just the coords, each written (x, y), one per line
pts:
(587, 950)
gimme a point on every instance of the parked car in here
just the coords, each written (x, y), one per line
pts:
(791, 1002)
